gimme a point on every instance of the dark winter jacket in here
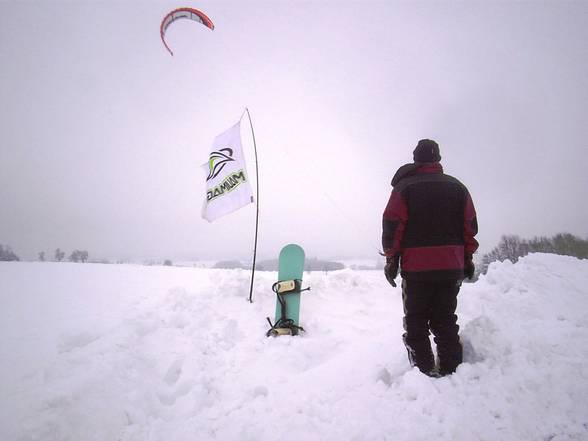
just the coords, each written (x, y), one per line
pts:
(430, 222)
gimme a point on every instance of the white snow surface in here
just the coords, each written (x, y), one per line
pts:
(123, 352)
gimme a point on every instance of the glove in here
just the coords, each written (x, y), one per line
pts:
(391, 269)
(469, 268)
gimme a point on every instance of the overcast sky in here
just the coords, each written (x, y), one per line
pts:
(102, 132)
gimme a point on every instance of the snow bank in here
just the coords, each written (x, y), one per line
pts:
(105, 352)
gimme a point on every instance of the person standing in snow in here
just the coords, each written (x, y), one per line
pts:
(429, 226)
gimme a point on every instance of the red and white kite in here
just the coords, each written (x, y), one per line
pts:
(191, 13)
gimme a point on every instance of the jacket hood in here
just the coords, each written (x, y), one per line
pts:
(412, 169)
(404, 172)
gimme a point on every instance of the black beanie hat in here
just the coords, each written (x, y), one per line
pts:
(426, 150)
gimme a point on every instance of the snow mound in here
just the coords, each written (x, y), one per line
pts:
(104, 352)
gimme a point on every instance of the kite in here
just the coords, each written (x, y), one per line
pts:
(191, 13)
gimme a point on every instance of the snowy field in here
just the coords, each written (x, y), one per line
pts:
(124, 352)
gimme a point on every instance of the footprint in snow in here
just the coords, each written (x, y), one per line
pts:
(174, 372)
(384, 376)
(260, 391)
(70, 341)
(469, 353)
(174, 388)
(388, 376)
(169, 397)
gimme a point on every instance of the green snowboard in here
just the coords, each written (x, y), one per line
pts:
(290, 268)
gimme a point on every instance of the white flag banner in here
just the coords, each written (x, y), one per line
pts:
(227, 183)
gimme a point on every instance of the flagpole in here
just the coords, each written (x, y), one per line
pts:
(257, 206)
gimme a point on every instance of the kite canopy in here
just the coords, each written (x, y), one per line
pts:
(191, 13)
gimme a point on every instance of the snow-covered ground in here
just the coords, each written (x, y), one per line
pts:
(123, 352)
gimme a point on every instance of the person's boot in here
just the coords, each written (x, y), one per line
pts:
(450, 357)
(420, 354)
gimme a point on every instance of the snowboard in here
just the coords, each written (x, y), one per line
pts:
(290, 268)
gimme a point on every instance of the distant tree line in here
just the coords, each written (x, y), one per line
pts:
(59, 255)
(315, 264)
(272, 265)
(166, 262)
(513, 247)
(6, 254)
(229, 264)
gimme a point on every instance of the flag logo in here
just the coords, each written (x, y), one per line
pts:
(227, 186)
(218, 160)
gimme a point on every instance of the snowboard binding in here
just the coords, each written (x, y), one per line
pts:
(285, 325)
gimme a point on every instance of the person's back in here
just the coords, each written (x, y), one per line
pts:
(433, 241)
(429, 226)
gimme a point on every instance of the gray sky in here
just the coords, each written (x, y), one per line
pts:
(103, 132)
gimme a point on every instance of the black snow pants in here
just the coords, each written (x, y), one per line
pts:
(431, 306)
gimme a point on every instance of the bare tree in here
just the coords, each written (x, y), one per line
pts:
(511, 248)
(6, 254)
(59, 255)
(78, 256)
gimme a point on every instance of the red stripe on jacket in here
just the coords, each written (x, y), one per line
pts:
(396, 211)
(447, 257)
(470, 227)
